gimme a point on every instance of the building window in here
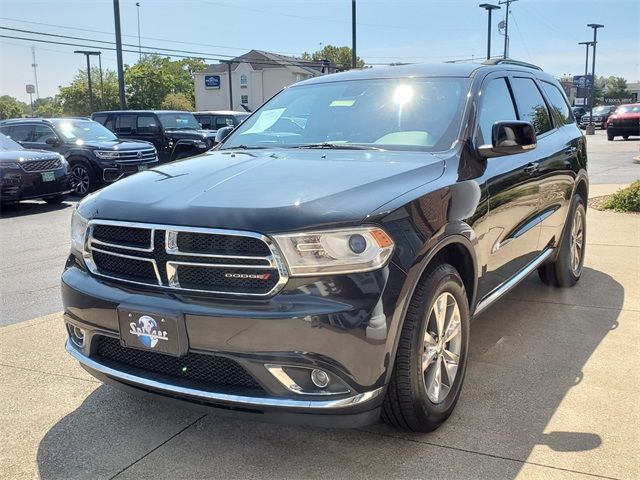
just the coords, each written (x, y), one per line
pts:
(243, 81)
(244, 99)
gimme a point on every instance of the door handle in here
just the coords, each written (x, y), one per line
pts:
(570, 150)
(531, 168)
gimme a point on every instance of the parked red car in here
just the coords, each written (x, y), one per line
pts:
(625, 121)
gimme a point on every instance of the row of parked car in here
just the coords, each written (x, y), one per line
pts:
(622, 120)
(51, 158)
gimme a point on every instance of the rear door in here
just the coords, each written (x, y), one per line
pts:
(148, 128)
(125, 125)
(511, 241)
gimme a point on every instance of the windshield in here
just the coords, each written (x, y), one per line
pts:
(601, 109)
(185, 121)
(391, 114)
(628, 109)
(6, 144)
(85, 130)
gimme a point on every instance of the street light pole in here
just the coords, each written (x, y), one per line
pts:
(586, 68)
(139, 44)
(101, 81)
(116, 18)
(489, 8)
(506, 26)
(353, 34)
(88, 53)
(591, 129)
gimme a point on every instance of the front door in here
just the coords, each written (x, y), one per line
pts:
(512, 230)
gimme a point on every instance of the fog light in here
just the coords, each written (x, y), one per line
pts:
(319, 378)
(76, 334)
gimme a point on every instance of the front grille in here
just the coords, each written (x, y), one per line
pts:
(207, 370)
(208, 261)
(41, 165)
(136, 156)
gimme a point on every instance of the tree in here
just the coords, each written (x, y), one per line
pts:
(74, 98)
(616, 87)
(177, 101)
(11, 107)
(47, 107)
(338, 56)
(149, 81)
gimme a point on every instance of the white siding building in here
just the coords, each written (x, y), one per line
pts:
(255, 77)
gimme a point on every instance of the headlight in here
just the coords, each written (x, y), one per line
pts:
(335, 251)
(106, 154)
(78, 231)
(9, 166)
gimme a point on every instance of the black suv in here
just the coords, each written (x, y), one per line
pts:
(213, 120)
(175, 134)
(95, 154)
(324, 262)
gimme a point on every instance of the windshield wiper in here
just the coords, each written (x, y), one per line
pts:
(243, 147)
(337, 146)
(181, 128)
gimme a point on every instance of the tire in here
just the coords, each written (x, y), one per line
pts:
(625, 137)
(409, 403)
(56, 200)
(566, 269)
(182, 155)
(610, 136)
(84, 179)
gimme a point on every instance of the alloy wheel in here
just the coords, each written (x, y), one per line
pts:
(577, 243)
(442, 347)
(80, 179)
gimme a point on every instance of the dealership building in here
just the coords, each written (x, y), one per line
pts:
(255, 77)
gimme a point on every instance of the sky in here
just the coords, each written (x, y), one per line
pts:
(544, 32)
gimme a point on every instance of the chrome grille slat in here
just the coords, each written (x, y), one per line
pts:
(127, 240)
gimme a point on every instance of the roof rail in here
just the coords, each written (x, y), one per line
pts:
(509, 61)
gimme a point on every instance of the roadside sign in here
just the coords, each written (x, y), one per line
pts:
(211, 81)
(582, 81)
(30, 88)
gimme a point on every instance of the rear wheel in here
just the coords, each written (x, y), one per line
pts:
(82, 177)
(610, 136)
(565, 271)
(432, 354)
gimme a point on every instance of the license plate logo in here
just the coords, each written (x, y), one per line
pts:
(48, 177)
(142, 168)
(148, 331)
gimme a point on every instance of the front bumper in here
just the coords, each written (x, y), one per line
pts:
(114, 172)
(19, 185)
(336, 324)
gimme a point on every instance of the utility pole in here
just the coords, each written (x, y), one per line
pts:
(586, 71)
(353, 35)
(88, 53)
(591, 129)
(139, 44)
(35, 71)
(489, 8)
(101, 81)
(116, 17)
(506, 26)
(229, 62)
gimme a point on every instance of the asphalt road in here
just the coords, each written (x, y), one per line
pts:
(34, 236)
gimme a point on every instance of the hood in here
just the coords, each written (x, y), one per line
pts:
(115, 144)
(26, 155)
(624, 116)
(265, 190)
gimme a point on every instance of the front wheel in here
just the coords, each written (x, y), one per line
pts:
(83, 178)
(56, 200)
(610, 136)
(566, 270)
(432, 354)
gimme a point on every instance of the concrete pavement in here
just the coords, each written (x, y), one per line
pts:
(551, 393)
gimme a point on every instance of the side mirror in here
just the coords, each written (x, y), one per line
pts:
(509, 138)
(52, 141)
(223, 133)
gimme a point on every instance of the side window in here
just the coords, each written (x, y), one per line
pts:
(223, 122)
(558, 103)
(42, 133)
(102, 118)
(109, 123)
(147, 124)
(125, 123)
(21, 133)
(205, 121)
(531, 106)
(497, 106)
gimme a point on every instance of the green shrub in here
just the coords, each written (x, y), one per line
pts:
(625, 200)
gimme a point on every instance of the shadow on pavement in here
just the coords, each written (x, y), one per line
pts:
(527, 352)
(33, 207)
